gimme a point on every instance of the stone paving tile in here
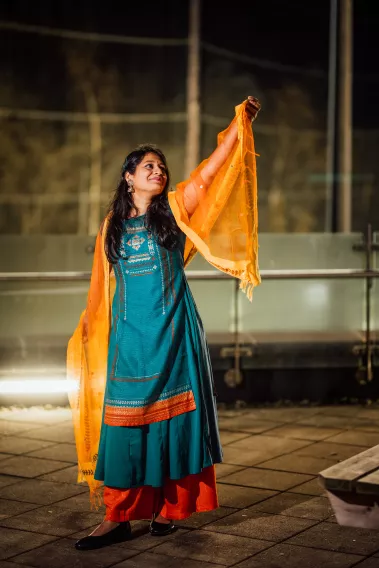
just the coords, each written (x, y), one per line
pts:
(364, 425)
(53, 520)
(370, 413)
(240, 497)
(282, 414)
(149, 560)
(289, 556)
(372, 427)
(340, 422)
(352, 410)
(9, 428)
(200, 519)
(40, 492)
(347, 410)
(79, 502)
(270, 444)
(331, 536)
(330, 450)
(59, 452)
(223, 469)
(8, 480)
(243, 457)
(325, 421)
(9, 508)
(300, 432)
(14, 542)
(355, 438)
(263, 526)
(298, 464)
(62, 554)
(312, 487)
(368, 563)
(266, 479)
(13, 445)
(224, 412)
(66, 475)
(29, 467)
(256, 451)
(5, 564)
(211, 547)
(317, 508)
(279, 503)
(296, 505)
(63, 433)
(247, 425)
(37, 414)
(228, 437)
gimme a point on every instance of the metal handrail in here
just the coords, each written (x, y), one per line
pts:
(303, 274)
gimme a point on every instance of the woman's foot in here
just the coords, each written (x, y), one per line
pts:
(160, 526)
(104, 528)
(161, 520)
(105, 534)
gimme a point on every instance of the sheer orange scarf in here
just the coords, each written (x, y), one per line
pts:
(223, 228)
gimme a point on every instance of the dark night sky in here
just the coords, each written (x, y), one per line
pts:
(292, 33)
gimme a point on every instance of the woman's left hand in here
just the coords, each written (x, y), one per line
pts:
(252, 108)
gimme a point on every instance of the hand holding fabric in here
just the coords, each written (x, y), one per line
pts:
(253, 107)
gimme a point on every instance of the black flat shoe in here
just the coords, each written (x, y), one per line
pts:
(119, 534)
(161, 529)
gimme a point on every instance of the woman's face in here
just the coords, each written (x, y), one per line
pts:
(150, 175)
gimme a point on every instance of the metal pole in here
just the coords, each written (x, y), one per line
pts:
(330, 202)
(193, 88)
(345, 117)
(369, 283)
(301, 274)
(94, 192)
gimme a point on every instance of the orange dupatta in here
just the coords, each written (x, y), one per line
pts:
(224, 229)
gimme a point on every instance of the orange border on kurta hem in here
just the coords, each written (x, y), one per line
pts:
(156, 412)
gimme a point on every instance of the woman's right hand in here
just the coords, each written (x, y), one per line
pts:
(252, 108)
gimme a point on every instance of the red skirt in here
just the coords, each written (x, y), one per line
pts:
(177, 499)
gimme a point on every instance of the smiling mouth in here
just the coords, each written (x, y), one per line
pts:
(158, 180)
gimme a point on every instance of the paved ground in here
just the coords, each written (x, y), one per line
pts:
(273, 512)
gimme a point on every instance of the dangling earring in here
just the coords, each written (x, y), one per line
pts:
(130, 185)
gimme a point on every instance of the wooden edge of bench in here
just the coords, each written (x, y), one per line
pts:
(331, 478)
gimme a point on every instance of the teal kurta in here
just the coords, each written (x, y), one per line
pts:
(157, 350)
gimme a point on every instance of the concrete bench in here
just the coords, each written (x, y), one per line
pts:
(352, 487)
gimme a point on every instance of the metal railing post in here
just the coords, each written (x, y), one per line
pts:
(366, 351)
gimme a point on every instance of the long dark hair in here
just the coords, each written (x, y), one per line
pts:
(159, 221)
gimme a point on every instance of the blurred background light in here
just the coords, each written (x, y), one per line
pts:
(37, 386)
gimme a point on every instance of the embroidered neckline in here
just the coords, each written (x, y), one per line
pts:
(135, 218)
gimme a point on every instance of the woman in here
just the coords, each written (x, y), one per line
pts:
(139, 354)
